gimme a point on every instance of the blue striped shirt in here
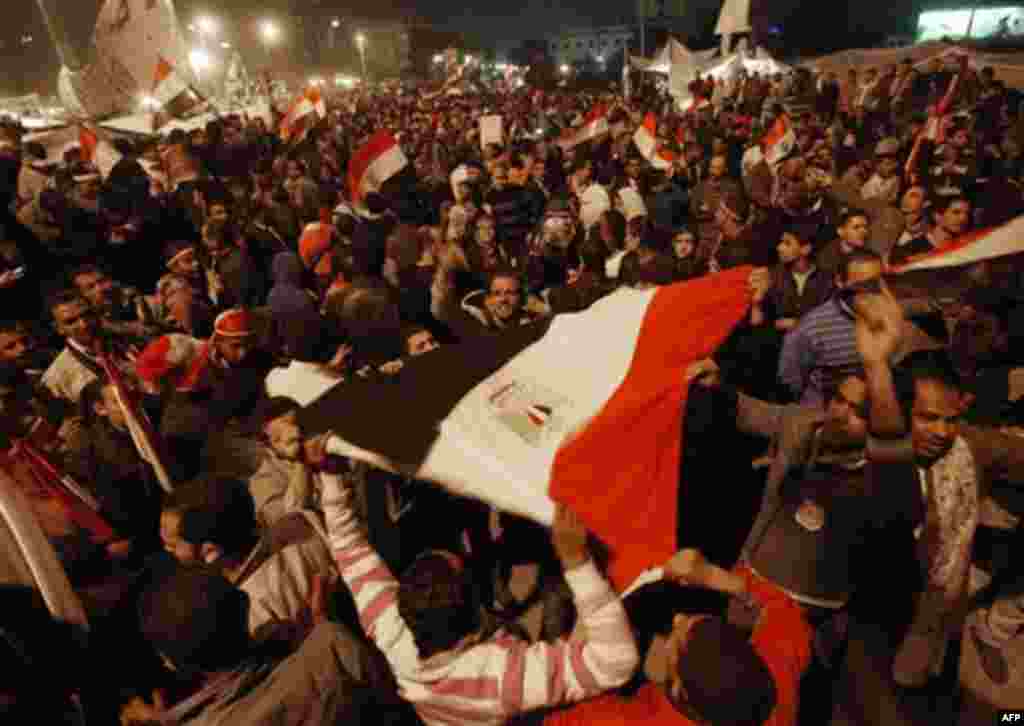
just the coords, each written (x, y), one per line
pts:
(819, 353)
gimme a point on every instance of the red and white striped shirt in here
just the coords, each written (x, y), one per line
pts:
(488, 682)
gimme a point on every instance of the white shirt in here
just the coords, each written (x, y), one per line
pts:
(67, 376)
(302, 382)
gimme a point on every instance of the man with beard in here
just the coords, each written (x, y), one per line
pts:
(287, 481)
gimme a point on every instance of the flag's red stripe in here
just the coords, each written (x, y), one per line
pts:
(621, 474)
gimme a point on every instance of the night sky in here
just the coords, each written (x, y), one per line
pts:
(485, 23)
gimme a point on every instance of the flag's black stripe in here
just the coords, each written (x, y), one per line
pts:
(398, 418)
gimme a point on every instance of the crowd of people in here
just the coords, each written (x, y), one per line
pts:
(166, 323)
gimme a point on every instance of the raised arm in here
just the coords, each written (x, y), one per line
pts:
(580, 666)
(373, 587)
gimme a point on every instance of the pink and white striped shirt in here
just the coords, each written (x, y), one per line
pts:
(488, 682)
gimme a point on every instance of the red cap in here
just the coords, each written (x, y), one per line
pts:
(234, 323)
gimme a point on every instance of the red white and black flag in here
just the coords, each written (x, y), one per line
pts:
(510, 421)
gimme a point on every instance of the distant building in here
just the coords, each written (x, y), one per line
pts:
(976, 22)
(580, 45)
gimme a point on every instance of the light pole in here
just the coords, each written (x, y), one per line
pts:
(361, 44)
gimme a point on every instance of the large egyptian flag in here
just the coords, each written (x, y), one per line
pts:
(586, 409)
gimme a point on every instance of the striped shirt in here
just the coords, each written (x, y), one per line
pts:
(484, 682)
(819, 353)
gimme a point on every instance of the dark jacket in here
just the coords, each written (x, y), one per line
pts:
(783, 299)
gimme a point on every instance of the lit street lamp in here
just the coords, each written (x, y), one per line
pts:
(206, 25)
(335, 23)
(269, 34)
(361, 44)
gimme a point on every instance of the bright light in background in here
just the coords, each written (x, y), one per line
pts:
(200, 60)
(148, 103)
(335, 23)
(206, 25)
(600, 59)
(269, 31)
(439, 58)
(360, 40)
(225, 45)
(344, 81)
(564, 69)
(469, 59)
(316, 81)
(501, 66)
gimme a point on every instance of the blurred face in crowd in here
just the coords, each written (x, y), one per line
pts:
(504, 298)
(718, 167)
(110, 408)
(294, 170)
(633, 168)
(96, 287)
(794, 169)
(285, 436)
(15, 346)
(234, 350)
(420, 343)
(791, 249)
(219, 213)
(174, 544)
(583, 174)
(887, 166)
(961, 139)
(181, 305)
(935, 419)
(538, 171)
(854, 233)
(683, 245)
(186, 264)
(846, 418)
(912, 203)
(955, 219)
(75, 320)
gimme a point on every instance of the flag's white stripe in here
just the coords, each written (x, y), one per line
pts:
(1005, 240)
(578, 361)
